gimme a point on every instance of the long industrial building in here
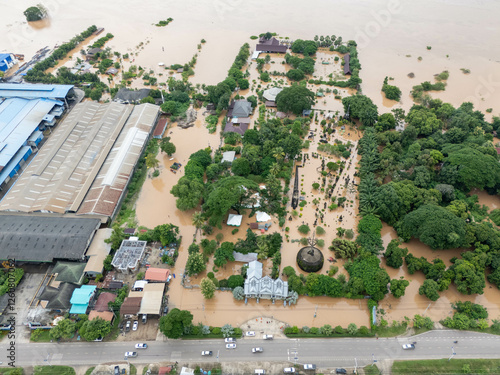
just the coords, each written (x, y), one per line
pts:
(86, 164)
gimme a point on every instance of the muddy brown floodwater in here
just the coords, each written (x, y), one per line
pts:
(412, 303)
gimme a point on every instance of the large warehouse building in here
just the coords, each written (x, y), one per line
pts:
(86, 164)
(25, 111)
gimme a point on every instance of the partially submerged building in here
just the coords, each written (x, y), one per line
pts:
(272, 45)
(239, 108)
(347, 64)
(87, 163)
(265, 287)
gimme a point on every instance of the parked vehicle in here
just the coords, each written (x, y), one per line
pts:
(341, 371)
(268, 337)
(309, 366)
(250, 333)
(135, 326)
(289, 370)
(206, 353)
(127, 326)
(259, 371)
(141, 346)
(229, 339)
(144, 318)
(230, 346)
(257, 350)
(117, 370)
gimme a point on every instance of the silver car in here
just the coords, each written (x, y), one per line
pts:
(230, 346)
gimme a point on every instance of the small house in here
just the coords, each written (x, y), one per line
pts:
(161, 275)
(239, 108)
(347, 66)
(81, 298)
(228, 156)
(6, 61)
(272, 45)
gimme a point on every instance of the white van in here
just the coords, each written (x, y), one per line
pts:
(260, 371)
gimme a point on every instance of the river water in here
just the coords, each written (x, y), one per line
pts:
(391, 36)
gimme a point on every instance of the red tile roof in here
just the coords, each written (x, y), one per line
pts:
(103, 300)
(157, 274)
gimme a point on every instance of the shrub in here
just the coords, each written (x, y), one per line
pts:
(320, 230)
(352, 329)
(364, 330)
(235, 230)
(304, 229)
(315, 186)
(339, 330)
(314, 330)
(305, 329)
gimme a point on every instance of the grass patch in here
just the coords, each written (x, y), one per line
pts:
(54, 370)
(371, 370)
(133, 369)
(443, 366)
(44, 336)
(209, 336)
(115, 331)
(10, 371)
(391, 331)
(89, 371)
(322, 336)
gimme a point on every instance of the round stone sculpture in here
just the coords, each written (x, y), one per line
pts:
(310, 259)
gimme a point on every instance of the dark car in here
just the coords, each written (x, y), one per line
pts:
(117, 370)
(165, 310)
(341, 371)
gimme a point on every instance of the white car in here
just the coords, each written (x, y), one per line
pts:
(267, 337)
(408, 346)
(250, 333)
(136, 324)
(206, 353)
(257, 350)
(230, 346)
(309, 366)
(130, 355)
(141, 346)
(289, 370)
(229, 339)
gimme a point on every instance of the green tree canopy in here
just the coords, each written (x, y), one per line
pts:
(195, 263)
(188, 193)
(35, 13)
(95, 329)
(207, 287)
(295, 99)
(398, 287)
(357, 105)
(394, 254)
(172, 325)
(433, 225)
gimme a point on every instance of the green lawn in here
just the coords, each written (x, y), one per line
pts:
(44, 336)
(54, 370)
(89, 371)
(443, 366)
(371, 370)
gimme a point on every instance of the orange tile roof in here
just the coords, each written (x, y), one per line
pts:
(157, 274)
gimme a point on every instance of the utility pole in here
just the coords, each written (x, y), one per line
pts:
(315, 311)
(355, 366)
(452, 353)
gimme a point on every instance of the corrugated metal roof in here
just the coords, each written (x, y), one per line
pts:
(156, 274)
(98, 251)
(86, 164)
(19, 118)
(152, 299)
(30, 91)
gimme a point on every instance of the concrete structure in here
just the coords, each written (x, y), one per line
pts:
(87, 163)
(130, 96)
(139, 285)
(21, 121)
(81, 298)
(160, 128)
(157, 275)
(237, 125)
(43, 238)
(228, 156)
(97, 252)
(152, 299)
(258, 287)
(6, 61)
(128, 256)
(270, 94)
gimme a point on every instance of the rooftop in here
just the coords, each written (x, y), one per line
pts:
(98, 251)
(152, 299)
(103, 300)
(86, 163)
(240, 128)
(34, 91)
(128, 255)
(228, 156)
(270, 94)
(105, 315)
(43, 238)
(69, 272)
(19, 118)
(130, 306)
(58, 298)
(157, 274)
(131, 96)
(239, 108)
(347, 66)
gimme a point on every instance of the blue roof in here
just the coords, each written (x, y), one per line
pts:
(32, 91)
(4, 56)
(78, 309)
(19, 118)
(81, 296)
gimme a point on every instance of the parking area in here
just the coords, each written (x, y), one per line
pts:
(145, 332)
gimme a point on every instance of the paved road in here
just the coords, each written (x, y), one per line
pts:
(322, 352)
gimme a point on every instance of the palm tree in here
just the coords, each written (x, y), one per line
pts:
(275, 169)
(198, 220)
(369, 117)
(151, 161)
(279, 154)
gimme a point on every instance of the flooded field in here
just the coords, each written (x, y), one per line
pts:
(391, 37)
